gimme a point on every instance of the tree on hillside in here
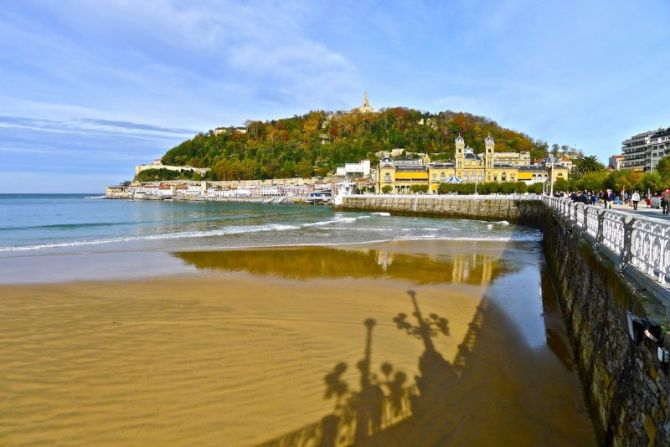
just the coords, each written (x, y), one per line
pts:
(315, 143)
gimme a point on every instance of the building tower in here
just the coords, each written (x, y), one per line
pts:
(488, 155)
(460, 151)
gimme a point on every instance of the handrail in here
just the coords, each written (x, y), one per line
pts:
(535, 197)
(639, 242)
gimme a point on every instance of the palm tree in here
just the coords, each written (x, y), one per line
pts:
(588, 164)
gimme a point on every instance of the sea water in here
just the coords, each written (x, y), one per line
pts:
(43, 237)
(79, 222)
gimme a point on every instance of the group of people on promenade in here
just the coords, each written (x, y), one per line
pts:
(608, 197)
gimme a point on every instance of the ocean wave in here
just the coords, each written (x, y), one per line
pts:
(179, 235)
(381, 213)
(331, 221)
(71, 226)
(515, 238)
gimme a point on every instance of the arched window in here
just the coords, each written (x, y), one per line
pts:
(387, 178)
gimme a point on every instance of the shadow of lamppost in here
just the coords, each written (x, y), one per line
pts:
(435, 372)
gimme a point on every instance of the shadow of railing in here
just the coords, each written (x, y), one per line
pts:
(383, 399)
(447, 400)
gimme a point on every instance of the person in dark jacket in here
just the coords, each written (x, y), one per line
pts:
(609, 198)
(665, 200)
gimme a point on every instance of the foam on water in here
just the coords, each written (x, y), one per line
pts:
(69, 224)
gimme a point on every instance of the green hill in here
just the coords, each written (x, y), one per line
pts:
(315, 143)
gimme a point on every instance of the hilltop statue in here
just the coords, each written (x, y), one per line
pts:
(365, 107)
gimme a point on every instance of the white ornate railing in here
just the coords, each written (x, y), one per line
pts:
(614, 231)
(650, 249)
(454, 196)
(592, 221)
(637, 241)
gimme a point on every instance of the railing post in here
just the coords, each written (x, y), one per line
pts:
(627, 242)
(601, 224)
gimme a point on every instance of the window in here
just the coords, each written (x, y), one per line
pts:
(387, 178)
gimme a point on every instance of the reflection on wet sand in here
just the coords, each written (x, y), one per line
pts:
(324, 262)
(326, 361)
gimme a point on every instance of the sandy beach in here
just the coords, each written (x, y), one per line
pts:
(239, 353)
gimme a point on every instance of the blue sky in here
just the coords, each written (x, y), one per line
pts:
(88, 89)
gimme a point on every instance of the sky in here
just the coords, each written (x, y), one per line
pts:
(88, 89)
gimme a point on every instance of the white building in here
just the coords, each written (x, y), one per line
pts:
(360, 169)
(641, 152)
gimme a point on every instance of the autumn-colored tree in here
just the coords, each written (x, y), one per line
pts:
(314, 144)
(663, 167)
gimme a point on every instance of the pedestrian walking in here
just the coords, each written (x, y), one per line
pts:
(635, 198)
(609, 198)
(665, 201)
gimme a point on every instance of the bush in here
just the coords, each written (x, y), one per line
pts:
(561, 185)
(386, 189)
(419, 189)
(484, 188)
(458, 188)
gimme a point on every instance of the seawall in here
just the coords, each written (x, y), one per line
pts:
(527, 210)
(628, 391)
(625, 384)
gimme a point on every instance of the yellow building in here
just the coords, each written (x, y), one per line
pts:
(467, 167)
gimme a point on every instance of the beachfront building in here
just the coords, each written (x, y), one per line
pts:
(641, 152)
(401, 178)
(467, 167)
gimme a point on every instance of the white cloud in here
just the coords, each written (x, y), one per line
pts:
(176, 63)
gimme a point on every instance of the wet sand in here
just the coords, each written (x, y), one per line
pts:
(239, 354)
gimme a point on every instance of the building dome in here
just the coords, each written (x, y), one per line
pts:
(470, 154)
(386, 161)
(459, 139)
(489, 140)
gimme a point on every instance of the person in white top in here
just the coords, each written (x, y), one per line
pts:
(635, 198)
